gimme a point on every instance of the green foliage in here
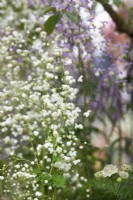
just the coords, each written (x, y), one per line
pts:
(104, 1)
(49, 9)
(131, 13)
(109, 188)
(50, 24)
(59, 181)
(117, 2)
(56, 179)
(73, 17)
(126, 190)
(102, 194)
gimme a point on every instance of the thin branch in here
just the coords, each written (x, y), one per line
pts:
(121, 24)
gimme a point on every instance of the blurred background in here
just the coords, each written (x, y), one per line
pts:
(105, 61)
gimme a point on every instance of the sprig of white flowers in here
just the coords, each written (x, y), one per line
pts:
(37, 114)
(110, 170)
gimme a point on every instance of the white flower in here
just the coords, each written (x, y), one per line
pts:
(123, 175)
(66, 73)
(126, 167)
(68, 61)
(55, 133)
(50, 187)
(98, 174)
(26, 165)
(37, 44)
(80, 79)
(59, 150)
(109, 170)
(75, 162)
(63, 166)
(97, 73)
(79, 126)
(17, 166)
(79, 185)
(36, 133)
(39, 147)
(49, 66)
(38, 194)
(7, 139)
(87, 190)
(66, 175)
(69, 143)
(1, 177)
(46, 181)
(86, 114)
(72, 154)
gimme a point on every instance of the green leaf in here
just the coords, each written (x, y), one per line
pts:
(43, 176)
(73, 17)
(50, 24)
(37, 171)
(103, 1)
(49, 9)
(131, 13)
(117, 2)
(59, 181)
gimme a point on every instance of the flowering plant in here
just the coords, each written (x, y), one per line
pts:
(49, 82)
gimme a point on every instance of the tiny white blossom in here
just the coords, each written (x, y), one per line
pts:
(1, 177)
(46, 181)
(79, 126)
(50, 187)
(97, 73)
(36, 133)
(75, 162)
(80, 79)
(86, 114)
(38, 194)
(68, 61)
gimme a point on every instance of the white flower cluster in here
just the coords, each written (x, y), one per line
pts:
(107, 171)
(123, 174)
(37, 116)
(110, 170)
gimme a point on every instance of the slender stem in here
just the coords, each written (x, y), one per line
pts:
(43, 191)
(120, 145)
